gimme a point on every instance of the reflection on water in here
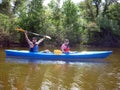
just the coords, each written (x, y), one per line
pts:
(62, 61)
(24, 74)
(29, 74)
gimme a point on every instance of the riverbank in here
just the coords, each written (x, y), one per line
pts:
(13, 44)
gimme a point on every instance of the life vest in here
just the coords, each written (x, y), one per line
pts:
(67, 49)
(35, 48)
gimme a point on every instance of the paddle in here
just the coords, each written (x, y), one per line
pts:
(22, 30)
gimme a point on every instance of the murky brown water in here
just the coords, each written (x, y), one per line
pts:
(61, 76)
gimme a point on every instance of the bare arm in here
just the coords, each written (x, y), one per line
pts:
(39, 41)
(62, 47)
(26, 36)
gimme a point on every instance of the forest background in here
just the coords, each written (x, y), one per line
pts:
(89, 22)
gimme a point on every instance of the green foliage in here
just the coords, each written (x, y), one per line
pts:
(106, 5)
(19, 6)
(6, 30)
(89, 22)
(89, 33)
(109, 25)
(88, 10)
(104, 30)
(109, 32)
(70, 12)
(114, 12)
(5, 7)
(97, 5)
(4, 23)
(70, 21)
(56, 21)
(33, 18)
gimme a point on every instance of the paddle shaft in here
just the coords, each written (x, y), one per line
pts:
(35, 33)
(19, 29)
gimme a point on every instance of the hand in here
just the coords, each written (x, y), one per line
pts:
(26, 32)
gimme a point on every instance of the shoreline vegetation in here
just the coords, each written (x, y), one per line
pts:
(12, 44)
(84, 23)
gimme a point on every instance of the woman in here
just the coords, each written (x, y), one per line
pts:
(65, 46)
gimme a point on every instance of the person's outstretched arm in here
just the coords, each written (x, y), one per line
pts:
(40, 40)
(26, 36)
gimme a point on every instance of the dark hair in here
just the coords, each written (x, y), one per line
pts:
(35, 38)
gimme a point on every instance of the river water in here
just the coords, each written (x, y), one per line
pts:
(59, 75)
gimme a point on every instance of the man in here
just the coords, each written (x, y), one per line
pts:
(33, 45)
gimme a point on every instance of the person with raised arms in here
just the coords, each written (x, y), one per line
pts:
(33, 45)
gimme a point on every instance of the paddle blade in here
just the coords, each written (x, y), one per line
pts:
(48, 37)
(20, 29)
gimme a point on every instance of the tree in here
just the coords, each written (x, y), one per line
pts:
(114, 12)
(56, 20)
(97, 5)
(5, 7)
(19, 6)
(70, 21)
(32, 19)
(6, 30)
(88, 10)
(106, 4)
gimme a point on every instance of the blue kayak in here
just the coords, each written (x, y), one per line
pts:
(73, 56)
